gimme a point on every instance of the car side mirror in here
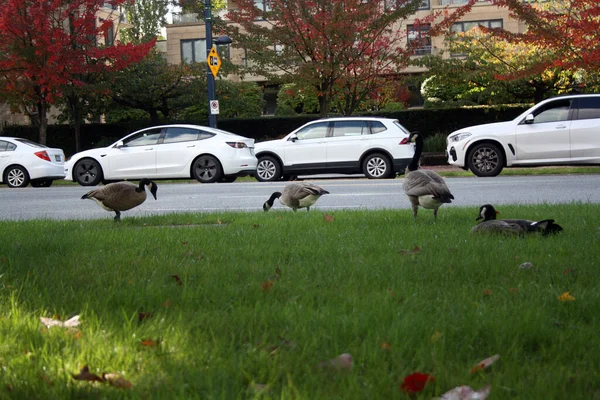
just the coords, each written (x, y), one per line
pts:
(119, 144)
(529, 119)
(293, 138)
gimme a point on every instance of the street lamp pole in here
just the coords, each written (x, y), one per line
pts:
(212, 118)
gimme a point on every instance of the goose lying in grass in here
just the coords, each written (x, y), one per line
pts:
(511, 226)
(297, 195)
(423, 187)
(121, 196)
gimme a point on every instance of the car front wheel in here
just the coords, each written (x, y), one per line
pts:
(207, 169)
(485, 159)
(16, 177)
(377, 166)
(88, 172)
(268, 169)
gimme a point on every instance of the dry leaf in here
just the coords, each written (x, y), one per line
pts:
(150, 342)
(343, 362)
(436, 337)
(219, 221)
(487, 292)
(166, 304)
(416, 250)
(327, 218)
(46, 379)
(466, 393)
(178, 280)
(255, 226)
(85, 375)
(267, 285)
(116, 380)
(566, 296)
(386, 346)
(483, 364)
(74, 333)
(142, 316)
(49, 322)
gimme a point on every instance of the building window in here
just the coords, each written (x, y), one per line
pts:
(419, 39)
(193, 50)
(466, 26)
(394, 4)
(458, 2)
(263, 5)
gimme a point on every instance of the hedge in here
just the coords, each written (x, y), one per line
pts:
(426, 121)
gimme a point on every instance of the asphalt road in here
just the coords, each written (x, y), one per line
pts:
(64, 202)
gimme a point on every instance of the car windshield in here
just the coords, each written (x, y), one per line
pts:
(32, 144)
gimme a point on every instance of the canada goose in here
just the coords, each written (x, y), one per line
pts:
(490, 224)
(423, 187)
(121, 196)
(297, 195)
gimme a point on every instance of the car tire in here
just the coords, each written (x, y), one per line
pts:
(88, 172)
(268, 169)
(38, 183)
(207, 169)
(16, 177)
(377, 166)
(485, 159)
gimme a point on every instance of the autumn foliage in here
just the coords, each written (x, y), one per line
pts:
(48, 45)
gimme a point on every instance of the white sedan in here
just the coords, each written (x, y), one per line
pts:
(23, 161)
(167, 152)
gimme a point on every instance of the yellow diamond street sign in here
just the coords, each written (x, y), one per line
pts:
(214, 61)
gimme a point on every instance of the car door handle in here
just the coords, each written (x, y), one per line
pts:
(561, 126)
(149, 149)
(193, 145)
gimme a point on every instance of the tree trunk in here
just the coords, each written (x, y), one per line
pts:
(42, 112)
(76, 116)
(153, 116)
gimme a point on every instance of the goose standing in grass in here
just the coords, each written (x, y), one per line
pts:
(423, 187)
(121, 196)
(519, 227)
(297, 195)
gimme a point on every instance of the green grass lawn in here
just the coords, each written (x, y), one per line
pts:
(248, 305)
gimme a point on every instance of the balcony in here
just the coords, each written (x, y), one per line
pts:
(191, 18)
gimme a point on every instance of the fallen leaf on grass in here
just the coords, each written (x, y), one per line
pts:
(466, 393)
(46, 379)
(85, 375)
(49, 322)
(526, 265)
(566, 296)
(436, 337)
(328, 218)
(343, 362)
(483, 364)
(267, 285)
(219, 221)
(150, 342)
(142, 316)
(487, 292)
(255, 226)
(415, 382)
(74, 333)
(416, 250)
(386, 346)
(116, 380)
(178, 280)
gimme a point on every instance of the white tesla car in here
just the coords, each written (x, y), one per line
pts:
(167, 152)
(23, 161)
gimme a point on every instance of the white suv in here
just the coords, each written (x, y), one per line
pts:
(561, 130)
(375, 147)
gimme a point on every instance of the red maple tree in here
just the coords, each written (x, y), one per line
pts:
(46, 46)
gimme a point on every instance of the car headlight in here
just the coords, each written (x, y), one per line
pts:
(458, 137)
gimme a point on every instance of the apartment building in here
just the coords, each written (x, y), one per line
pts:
(186, 35)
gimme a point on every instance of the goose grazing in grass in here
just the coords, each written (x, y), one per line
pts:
(423, 187)
(519, 227)
(121, 196)
(297, 195)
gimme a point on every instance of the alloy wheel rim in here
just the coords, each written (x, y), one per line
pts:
(86, 172)
(485, 159)
(206, 170)
(16, 177)
(376, 167)
(266, 170)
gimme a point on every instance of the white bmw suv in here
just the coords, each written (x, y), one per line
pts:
(562, 130)
(375, 147)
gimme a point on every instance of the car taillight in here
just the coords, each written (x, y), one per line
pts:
(405, 141)
(43, 155)
(237, 145)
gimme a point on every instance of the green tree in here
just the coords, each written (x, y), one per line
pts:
(146, 18)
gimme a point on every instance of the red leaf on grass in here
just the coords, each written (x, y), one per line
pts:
(85, 375)
(386, 346)
(150, 342)
(142, 316)
(328, 218)
(178, 280)
(267, 285)
(415, 382)
(416, 250)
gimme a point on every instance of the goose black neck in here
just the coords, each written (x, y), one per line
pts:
(414, 163)
(274, 196)
(142, 185)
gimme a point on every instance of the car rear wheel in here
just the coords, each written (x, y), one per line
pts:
(486, 159)
(88, 172)
(207, 169)
(16, 177)
(377, 166)
(268, 169)
(41, 183)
